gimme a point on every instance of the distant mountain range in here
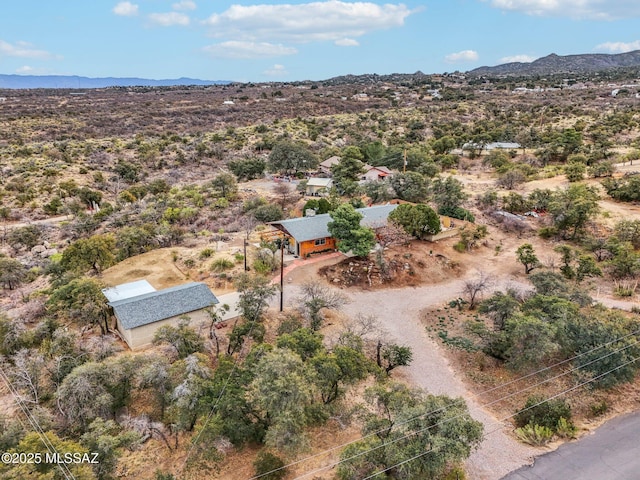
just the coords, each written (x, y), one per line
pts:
(73, 81)
(557, 64)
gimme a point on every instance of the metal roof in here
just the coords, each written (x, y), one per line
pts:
(311, 228)
(319, 182)
(127, 290)
(152, 307)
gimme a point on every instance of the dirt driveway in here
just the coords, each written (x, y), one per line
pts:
(398, 311)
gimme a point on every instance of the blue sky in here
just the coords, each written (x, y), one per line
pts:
(272, 40)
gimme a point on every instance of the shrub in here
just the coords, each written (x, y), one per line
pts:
(269, 466)
(599, 408)
(536, 435)
(539, 411)
(206, 253)
(457, 212)
(221, 264)
(565, 429)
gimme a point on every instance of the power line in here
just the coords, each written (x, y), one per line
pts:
(510, 416)
(511, 382)
(222, 392)
(36, 426)
(410, 434)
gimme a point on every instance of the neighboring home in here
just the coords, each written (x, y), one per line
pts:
(491, 146)
(325, 166)
(318, 187)
(309, 235)
(375, 174)
(140, 309)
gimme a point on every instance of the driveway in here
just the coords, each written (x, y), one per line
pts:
(610, 453)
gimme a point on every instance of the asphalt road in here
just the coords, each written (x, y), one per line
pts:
(612, 452)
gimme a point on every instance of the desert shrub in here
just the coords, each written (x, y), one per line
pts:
(540, 411)
(206, 253)
(268, 213)
(536, 435)
(221, 264)
(457, 212)
(269, 466)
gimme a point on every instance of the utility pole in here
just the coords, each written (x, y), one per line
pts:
(244, 242)
(282, 273)
(404, 163)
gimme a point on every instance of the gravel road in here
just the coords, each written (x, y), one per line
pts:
(398, 313)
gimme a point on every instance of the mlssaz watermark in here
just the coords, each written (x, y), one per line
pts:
(37, 458)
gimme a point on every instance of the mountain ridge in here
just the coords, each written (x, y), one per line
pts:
(13, 81)
(556, 64)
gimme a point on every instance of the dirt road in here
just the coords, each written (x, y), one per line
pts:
(398, 313)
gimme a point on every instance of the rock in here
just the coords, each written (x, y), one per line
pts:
(38, 249)
(336, 280)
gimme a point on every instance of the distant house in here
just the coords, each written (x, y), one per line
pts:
(309, 235)
(325, 166)
(491, 146)
(375, 174)
(317, 187)
(140, 309)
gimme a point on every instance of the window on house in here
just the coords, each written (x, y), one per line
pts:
(320, 241)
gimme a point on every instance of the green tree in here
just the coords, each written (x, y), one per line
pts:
(96, 252)
(527, 256)
(225, 185)
(410, 186)
(247, 168)
(532, 342)
(82, 301)
(440, 433)
(346, 229)
(33, 444)
(573, 208)
(348, 170)
(281, 391)
(390, 356)
(289, 158)
(417, 220)
(448, 193)
(12, 272)
(183, 338)
(107, 438)
(575, 171)
(28, 236)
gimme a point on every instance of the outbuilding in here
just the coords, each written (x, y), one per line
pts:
(140, 309)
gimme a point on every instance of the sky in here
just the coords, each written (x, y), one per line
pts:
(293, 40)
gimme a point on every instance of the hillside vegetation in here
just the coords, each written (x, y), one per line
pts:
(174, 183)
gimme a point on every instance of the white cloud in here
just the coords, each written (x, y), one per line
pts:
(25, 70)
(22, 50)
(347, 42)
(276, 71)
(184, 5)
(331, 20)
(591, 9)
(169, 19)
(517, 58)
(463, 56)
(618, 47)
(245, 50)
(126, 9)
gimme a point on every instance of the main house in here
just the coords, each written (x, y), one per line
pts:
(310, 234)
(140, 309)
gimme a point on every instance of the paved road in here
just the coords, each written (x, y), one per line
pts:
(611, 453)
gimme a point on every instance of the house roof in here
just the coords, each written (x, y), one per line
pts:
(329, 162)
(127, 290)
(152, 307)
(311, 228)
(319, 182)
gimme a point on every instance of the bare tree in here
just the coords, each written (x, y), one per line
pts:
(474, 287)
(284, 192)
(27, 375)
(315, 298)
